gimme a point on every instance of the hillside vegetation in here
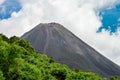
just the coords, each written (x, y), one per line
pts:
(19, 61)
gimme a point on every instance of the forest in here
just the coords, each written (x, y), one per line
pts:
(20, 61)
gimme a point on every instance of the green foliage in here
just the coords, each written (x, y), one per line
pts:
(19, 61)
(14, 39)
(114, 78)
(21, 42)
(1, 76)
(3, 37)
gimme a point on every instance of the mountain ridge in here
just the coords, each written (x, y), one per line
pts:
(58, 42)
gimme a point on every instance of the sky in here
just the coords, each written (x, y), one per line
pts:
(97, 22)
(113, 15)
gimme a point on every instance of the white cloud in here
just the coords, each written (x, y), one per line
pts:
(79, 16)
(1, 1)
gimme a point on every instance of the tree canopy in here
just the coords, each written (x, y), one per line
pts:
(19, 61)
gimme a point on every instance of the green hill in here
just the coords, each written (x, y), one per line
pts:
(19, 61)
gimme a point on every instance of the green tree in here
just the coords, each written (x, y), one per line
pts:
(14, 39)
(1, 76)
(114, 78)
(19, 61)
(4, 38)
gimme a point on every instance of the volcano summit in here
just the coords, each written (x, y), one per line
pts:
(61, 44)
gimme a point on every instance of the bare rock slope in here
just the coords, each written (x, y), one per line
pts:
(58, 42)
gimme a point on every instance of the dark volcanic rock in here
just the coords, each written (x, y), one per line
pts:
(56, 41)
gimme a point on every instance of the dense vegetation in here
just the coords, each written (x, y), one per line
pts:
(19, 61)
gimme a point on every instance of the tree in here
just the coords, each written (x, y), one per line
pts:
(19, 61)
(14, 39)
(4, 38)
(1, 76)
(114, 78)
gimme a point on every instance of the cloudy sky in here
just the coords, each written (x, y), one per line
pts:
(97, 22)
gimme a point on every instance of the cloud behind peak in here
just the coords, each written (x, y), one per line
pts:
(79, 16)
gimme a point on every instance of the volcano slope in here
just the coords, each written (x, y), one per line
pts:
(61, 44)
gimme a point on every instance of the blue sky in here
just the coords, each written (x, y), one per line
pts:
(8, 7)
(79, 16)
(111, 19)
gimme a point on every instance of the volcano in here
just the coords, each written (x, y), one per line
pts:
(56, 41)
